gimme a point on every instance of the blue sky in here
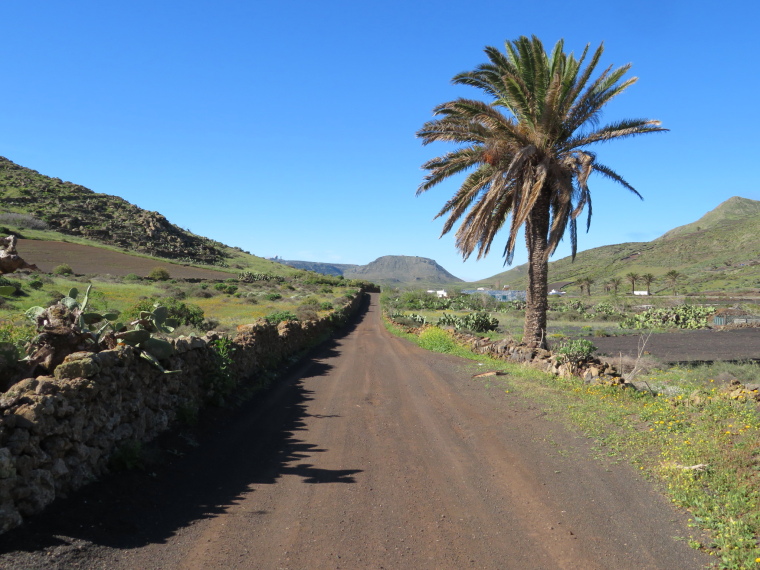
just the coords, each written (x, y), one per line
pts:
(288, 128)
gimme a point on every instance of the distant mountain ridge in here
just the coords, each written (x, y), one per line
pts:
(324, 268)
(388, 270)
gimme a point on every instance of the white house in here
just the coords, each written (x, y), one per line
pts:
(442, 294)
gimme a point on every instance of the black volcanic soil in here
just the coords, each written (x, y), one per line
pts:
(687, 346)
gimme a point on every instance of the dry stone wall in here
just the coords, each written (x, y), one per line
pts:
(590, 369)
(57, 433)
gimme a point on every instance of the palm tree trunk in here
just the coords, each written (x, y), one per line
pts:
(537, 303)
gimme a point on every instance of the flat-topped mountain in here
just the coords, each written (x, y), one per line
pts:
(402, 269)
(388, 270)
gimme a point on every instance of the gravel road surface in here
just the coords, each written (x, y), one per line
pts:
(372, 454)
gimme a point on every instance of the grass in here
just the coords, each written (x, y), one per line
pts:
(693, 433)
(226, 311)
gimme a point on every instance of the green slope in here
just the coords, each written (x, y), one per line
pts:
(36, 206)
(720, 251)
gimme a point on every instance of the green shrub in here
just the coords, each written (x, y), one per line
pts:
(184, 313)
(682, 317)
(227, 288)
(159, 274)
(36, 284)
(576, 350)
(326, 306)
(63, 269)
(272, 296)
(132, 277)
(437, 340)
(17, 334)
(475, 322)
(279, 316)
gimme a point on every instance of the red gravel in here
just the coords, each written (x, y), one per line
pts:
(372, 454)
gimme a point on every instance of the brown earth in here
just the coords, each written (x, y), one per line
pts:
(85, 259)
(371, 454)
(686, 346)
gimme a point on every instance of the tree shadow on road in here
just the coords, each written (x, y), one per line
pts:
(193, 473)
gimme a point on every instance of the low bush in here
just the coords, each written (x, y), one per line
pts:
(437, 340)
(183, 313)
(23, 221)
(682, 317)
(576, 350)
(159, 274)
(63, 269)
(279, 316)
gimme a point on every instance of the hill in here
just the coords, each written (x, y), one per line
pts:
(40, 207)
(720, 251)
(403, 270)
(731, 211)
(324, 268)
(397, 270)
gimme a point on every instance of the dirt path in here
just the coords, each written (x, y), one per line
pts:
(374, 454)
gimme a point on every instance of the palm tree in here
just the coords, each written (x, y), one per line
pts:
(527, 152)
(632, 278)
(587, 283)
(648, 279)
(615, 283)
(672, 278)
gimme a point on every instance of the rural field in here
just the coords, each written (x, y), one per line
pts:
(561, 471)
(398, 335)
(371, 453)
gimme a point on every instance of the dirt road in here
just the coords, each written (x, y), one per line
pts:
(374, 454)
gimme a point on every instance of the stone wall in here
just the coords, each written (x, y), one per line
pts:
(58, 433)
(591, 369)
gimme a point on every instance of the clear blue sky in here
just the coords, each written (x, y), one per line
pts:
(288, 128)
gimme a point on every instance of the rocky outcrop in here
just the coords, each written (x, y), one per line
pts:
(9, 258)
(75, 210)
(58, 432)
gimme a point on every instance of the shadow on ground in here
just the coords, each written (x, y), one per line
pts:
(193, 473)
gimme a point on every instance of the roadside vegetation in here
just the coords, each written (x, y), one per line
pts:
(567, 318)
(695, 431)
(196, 307)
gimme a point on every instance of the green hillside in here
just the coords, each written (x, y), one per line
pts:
(40, 207)
(719, 252)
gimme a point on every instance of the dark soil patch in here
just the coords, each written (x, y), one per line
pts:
(687, 346)
(85, 259)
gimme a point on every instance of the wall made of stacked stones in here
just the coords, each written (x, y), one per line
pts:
(57, 433)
